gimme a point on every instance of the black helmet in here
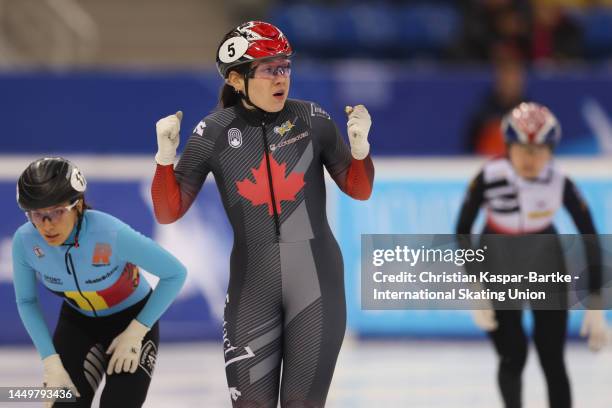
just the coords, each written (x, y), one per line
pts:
(49, 181)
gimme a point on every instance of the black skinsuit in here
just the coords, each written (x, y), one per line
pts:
(285, 297)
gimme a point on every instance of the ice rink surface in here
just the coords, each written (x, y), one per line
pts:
(369, 374)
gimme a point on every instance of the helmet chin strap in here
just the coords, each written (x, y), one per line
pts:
(245, 95)
(78, 230)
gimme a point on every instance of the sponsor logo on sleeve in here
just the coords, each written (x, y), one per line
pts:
(38, 252)
(317, 111)
(199, 129)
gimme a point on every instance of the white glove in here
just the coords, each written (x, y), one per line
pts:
(126, 348)
(358, 127)
(485, 319)
(594, 326)
(55, 375)
(168, 138)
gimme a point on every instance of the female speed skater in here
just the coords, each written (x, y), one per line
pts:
(521, 192)
(285, 301)
(108, 320)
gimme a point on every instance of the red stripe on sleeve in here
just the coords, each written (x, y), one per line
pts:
(166, 194)
(360, 178)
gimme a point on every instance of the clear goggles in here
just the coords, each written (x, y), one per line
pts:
(272, 69)
(53, 215)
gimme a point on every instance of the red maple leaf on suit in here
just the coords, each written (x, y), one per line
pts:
(258, 192)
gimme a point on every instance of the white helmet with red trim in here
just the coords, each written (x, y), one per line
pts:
(531, 123)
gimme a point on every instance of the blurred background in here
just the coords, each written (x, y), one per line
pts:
(88, 79)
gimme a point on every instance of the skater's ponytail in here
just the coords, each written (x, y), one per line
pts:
(228, 96)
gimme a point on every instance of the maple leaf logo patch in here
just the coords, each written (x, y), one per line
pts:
(258, 192)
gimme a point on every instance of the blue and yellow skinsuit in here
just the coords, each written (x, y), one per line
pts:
(103, 290)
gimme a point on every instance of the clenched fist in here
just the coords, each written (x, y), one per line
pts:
(358, 127)
(168, 138)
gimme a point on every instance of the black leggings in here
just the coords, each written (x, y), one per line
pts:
(81, 343)
(550, 328)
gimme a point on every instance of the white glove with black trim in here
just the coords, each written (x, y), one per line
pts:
(126, 348)
(358, 127)
(56, 376)
(168, 138)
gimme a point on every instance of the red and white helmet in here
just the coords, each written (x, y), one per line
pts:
(531, 123)
(251, 41)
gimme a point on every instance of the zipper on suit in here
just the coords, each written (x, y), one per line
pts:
(269, 168)
(69, 265)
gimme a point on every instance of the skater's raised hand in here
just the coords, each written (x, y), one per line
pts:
(168, 138)
(358, 127)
